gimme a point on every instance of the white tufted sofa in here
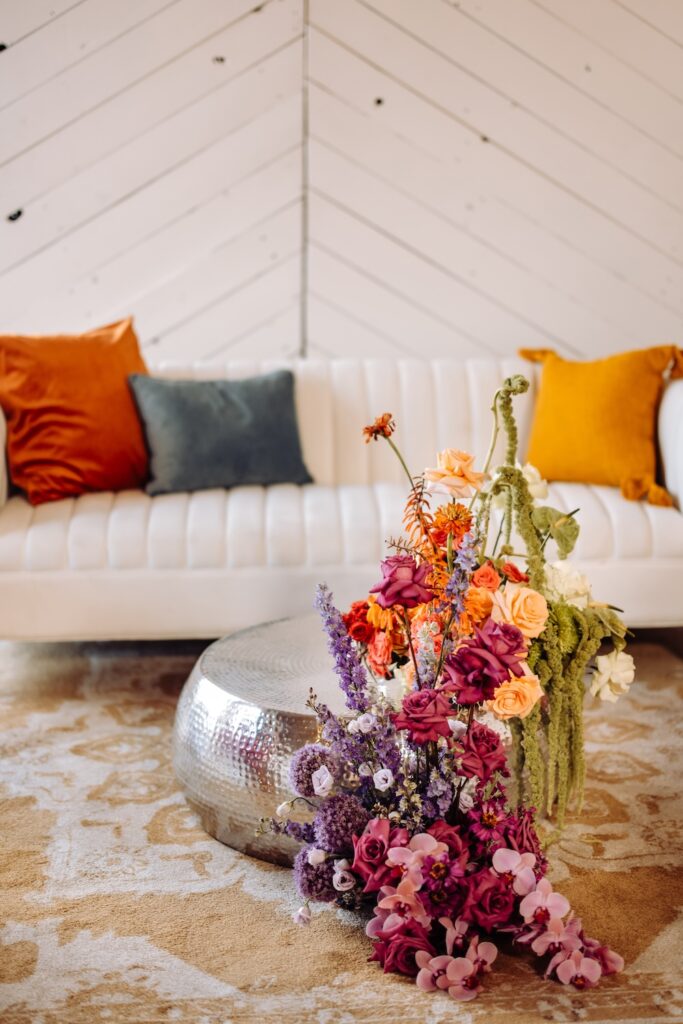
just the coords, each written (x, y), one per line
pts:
(119, 566)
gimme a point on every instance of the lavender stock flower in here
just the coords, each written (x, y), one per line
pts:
(352, 676)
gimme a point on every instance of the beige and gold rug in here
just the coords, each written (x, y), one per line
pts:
(116, 907)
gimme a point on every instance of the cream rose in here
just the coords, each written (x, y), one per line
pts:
(454, 474)
(613, 675)
(521, 606)
(565, 583)
(516, 697)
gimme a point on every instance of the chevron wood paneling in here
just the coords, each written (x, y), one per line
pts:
(374, 177)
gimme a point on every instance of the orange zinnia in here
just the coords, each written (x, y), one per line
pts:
(452, 519)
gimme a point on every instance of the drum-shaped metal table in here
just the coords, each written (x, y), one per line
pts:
(241, 715)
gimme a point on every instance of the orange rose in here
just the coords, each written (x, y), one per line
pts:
(522, 606)
(516, 697)
(486, 576)
(478, 603)
(454, 474)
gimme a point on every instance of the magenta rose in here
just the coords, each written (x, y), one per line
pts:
(395, 949)
(484, 661)
(424, 713)
(403, 582)
(370, 853)
(448, 834)
(491, 901)
(481, 753)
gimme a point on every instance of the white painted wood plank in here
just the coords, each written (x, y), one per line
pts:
(125, 279)
(500, 176)
(184, 296)
(152, 155)
(381, 307)
(618, 31)
(139, 108)
(154, 206)
(19, 18)
(622, 315)
(538, 90)
(502, 124)
(584, 64)
(277, 337)
(435, 188)
(71, 38)
(335, 331)
(211, 332)
(664, 15)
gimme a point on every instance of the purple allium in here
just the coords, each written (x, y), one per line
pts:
(484, 661)
(352, 676)
(314, 881)
(304, 762)
(338, 820)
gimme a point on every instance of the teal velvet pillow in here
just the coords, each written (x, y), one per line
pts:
(220, 433)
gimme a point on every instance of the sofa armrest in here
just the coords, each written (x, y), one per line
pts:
(4, 480)
(670, 430)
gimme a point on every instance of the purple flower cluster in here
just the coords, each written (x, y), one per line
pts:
(352, 676)
(337, 821)
(314, 881)
(464, 561)
(305, 762)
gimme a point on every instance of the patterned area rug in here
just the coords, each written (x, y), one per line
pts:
(116, 907)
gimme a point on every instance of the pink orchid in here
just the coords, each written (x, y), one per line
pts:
(404, 902)
(579, 970)
(384, 921)
(482, 954)
(456, 933)
(558, 936)
(517, 868)
(432, 973)
(542, 904)
(410, 858)
(610, 962)
(463, 979)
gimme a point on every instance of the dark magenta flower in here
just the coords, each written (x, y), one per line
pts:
(403, 582)
(370, 853)
(490, 902)
(481, 753)
(484, 661)
(425, 714)
(395, 949)
(488, 822)
(444, 886)
(448, 834)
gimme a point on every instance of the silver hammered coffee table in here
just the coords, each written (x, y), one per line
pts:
(241, 715)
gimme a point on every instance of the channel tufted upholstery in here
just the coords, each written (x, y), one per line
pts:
(127, 565)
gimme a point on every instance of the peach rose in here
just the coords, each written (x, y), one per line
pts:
(454, 474)
(523, 607)
(486, 576)
(516, 697)
(478, 603)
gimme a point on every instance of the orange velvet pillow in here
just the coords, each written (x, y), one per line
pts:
(596, 422)
(72, 425)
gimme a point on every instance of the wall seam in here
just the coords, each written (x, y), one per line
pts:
(303, 316)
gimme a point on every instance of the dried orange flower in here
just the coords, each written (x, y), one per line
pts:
(453, 519)
(383, 426)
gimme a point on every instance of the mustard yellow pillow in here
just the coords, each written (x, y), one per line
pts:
(596, 422)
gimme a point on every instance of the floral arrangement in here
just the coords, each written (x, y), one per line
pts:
(463, 650)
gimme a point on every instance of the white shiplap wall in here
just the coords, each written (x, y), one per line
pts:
(344, 176)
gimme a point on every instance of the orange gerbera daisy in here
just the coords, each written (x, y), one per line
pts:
(383, 426)
(452, 519)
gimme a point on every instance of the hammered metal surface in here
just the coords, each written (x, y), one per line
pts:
(240, 717)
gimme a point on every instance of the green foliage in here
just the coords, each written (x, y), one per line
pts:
(559, 526)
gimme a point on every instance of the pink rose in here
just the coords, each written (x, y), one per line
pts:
(370, 853)
(395, 949)
(424, 713)
(481, 753)
(490, 903)
(403, 582)
(448, 834)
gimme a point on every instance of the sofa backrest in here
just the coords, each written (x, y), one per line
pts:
(436, 403)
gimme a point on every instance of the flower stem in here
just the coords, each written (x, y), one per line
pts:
(461, 784)
(400, 458)
(406, 621)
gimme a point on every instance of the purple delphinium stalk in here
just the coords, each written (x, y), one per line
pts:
(338, 819)
(438, 797)
(314, 881)
(352, 676)
(464, 561)
(301, 832)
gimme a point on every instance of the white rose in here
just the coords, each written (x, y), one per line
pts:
(457, 727)
(565, 583)
(316, 857)
(342, 879)
(538, 487)
(383, 779)
(322, 780)
(612, 676)
(353, 727)
(366, 722)
(364, 769)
